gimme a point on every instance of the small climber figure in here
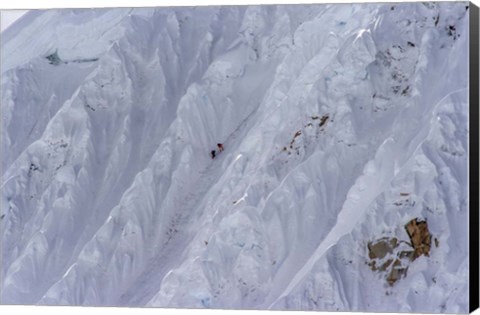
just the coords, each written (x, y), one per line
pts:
(213, 154)
(220, 147)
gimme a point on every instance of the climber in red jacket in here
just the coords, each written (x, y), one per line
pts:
(220, 147)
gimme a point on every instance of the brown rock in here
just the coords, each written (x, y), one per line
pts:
(407, 254)
(420, 237)
(385, 265)
(397, 272)
(382, 247)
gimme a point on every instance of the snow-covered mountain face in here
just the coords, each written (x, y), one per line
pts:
(341, 124)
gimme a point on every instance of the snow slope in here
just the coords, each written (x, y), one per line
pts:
(329, 114)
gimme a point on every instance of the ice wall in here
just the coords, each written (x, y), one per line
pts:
(328, 113)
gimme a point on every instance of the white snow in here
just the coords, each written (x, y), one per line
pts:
(327, 114)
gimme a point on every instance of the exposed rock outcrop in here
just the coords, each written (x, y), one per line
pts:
(388, 255)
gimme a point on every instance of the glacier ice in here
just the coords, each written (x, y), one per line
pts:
(330, 115)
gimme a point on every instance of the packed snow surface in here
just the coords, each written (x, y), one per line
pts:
(341, 123)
